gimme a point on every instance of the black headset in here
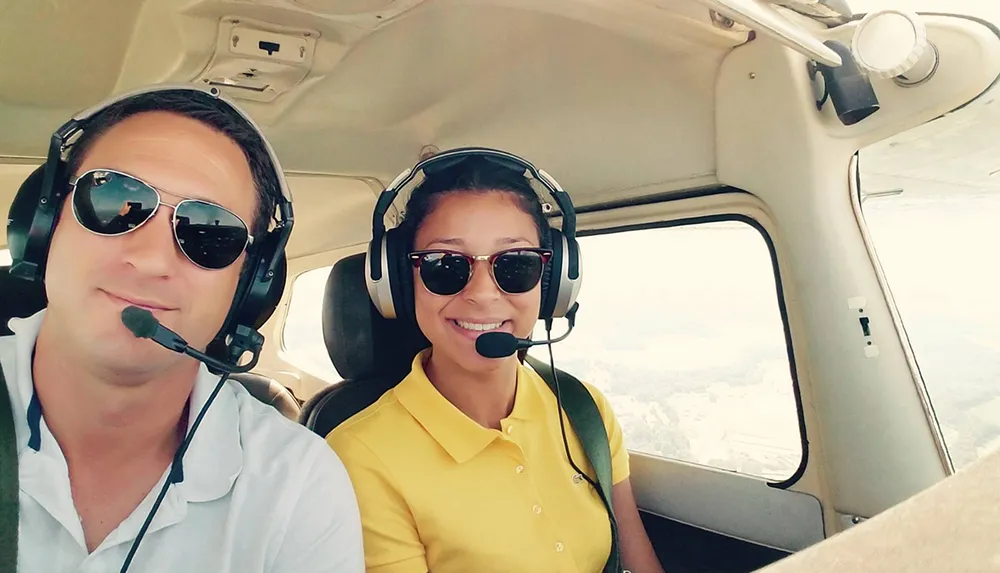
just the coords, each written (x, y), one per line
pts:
(35, 211)
(388, 270)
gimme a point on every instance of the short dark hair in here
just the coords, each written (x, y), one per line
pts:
(472, 175)
(209, 111)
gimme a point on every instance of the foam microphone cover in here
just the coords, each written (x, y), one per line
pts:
(140, 321)
(496, 344)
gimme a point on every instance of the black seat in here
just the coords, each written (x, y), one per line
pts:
(18, 298)
(371, 353)
(21, 299)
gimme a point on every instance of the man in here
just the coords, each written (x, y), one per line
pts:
(157, 193)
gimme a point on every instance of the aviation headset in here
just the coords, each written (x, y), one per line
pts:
(388, 270)
(35, 210)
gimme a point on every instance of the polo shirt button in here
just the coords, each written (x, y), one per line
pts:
(510, 429)
(519, 469)
(559, 547)
(537, 509)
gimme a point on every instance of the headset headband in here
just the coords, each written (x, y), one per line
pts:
(73, 126)
(388, 196)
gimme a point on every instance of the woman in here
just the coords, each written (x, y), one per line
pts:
(462, 466)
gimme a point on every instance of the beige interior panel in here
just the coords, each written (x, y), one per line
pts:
(949, 528)
(556, 82)
(63, 54)
(772, 142)
(727, 502)
(329, 212)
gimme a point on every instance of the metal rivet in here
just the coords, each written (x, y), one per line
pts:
(752, 76)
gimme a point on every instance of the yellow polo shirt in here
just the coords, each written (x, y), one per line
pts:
(440, 493)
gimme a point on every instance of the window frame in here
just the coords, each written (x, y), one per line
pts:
(857, 200)
(725, 214)
(283, 352)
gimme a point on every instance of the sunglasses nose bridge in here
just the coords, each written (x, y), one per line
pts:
(481, 285)
(173, 210)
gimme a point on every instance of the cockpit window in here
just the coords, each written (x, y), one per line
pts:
(930, 198)
(302, 343)
(681, 329)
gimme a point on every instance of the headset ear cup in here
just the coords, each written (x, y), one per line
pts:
(552, 276)
(257, 295)
(262, 293)
(400, 275)
(262, 308)
(22, 218)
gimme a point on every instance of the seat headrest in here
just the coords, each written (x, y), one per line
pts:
(362, 344)
(18, 298)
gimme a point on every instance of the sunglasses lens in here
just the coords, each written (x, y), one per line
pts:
(111, 204)
(209, 235)
(444, 273)
(518, 272)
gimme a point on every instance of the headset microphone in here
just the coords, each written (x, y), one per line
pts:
(503, 344)
(143, 324)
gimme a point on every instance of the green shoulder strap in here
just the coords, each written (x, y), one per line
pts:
(586, 421)
(9, 488)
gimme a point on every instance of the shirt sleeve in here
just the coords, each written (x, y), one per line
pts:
(619, 454)
(324, 532)
(392, 544)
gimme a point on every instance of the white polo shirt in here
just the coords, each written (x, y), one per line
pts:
(259, 492)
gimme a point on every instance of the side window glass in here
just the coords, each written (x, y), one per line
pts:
(680, 328)
(302, 335)
(931, 203)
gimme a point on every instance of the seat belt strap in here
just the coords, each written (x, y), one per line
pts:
(586, 420)
(9, 488)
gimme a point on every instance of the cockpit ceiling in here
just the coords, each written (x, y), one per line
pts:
(563, 82)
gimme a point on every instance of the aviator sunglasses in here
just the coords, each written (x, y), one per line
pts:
(111, 203)
(514, 271)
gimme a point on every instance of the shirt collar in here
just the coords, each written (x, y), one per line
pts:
(213, 460)
(458, 434)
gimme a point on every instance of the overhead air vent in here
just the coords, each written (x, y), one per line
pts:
(258, 61)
